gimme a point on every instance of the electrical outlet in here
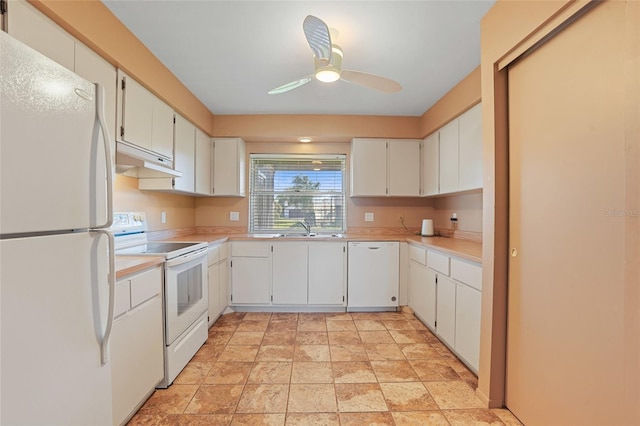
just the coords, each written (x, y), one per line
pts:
(163, 217)
(234, 216)
(368, 217)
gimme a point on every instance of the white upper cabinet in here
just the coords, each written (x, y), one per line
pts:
(470, 147)
(381, 167)
(184, 154)
(228, 167)
(144, 120)
(430, 164)
(449, 158)
(203, 163)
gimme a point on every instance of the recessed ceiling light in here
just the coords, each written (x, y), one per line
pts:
(305, 139)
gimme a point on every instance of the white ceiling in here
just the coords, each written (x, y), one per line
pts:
(231, 53)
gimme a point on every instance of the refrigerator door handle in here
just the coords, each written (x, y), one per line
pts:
(107, 153)
(104, 345)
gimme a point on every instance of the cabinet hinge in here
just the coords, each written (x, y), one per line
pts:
(436, 279)
(3, 7)
(343, 298)
(272, 297)
(435, 323)
(232, 297)
(271, 249)
(344, 250)
(122, 131)
(174, 119)
(231, 264)
(123, 85)
(173, 183)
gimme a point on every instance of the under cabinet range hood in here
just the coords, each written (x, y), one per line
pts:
(136, 162)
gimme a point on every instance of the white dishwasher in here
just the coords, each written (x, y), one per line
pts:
(373, 276)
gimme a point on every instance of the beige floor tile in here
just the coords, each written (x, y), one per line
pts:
(264, 398)
(353, 372)
(312, 338)
(417, 324)
(246, 338)
(360, 397)
(360, 316)
(344, 337)
(204, 419)
(384, 352)
(257, 316)
(173, 400)
(411, 396)
(479, 416)
(253, 325)
(194, 373)
(433, 370)
(219, 337)
(312, 372)
(419, 351)
(282, 326)
(275, 353)
(309, 419)
(279, 338)
(453, 395)
(348, 353)
(506, 416)
(215, 399)
(394, 371)
(315, 353)
(311, 316)
(141, 419)
(369, 419)
(420, 418)
(270, 372)
(369, 325)
(312, 398)
(340, 326)
(338, 316)
(228, 373)
(208, 353)
(284, 316)
(391, 316)
(408, 336)
(376, 337)
(312, 325)
(258, 420)
(401, 324)
(224, 327)
(240, 353)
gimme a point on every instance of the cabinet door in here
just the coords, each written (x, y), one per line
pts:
(327, 273)
(467, 340)
(162, 128)
(34, 29)
(449, 157)
(137, 112)
(368, 167)
(203, 163)
(470, 145)
(250, 280)
(228, 167)
(289, 273)
(429, 294)
(404, 167)
(224, 286)
(184, 153)
(422, 297)
(214, 292)
(446, 310)
(430, 164)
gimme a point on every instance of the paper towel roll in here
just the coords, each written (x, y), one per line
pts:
(427, 228)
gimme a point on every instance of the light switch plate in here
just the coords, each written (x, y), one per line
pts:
(234, 216)
(368, 217)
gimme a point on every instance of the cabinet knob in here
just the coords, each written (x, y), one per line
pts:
(514, 252)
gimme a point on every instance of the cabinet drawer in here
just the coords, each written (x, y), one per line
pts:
(122, 301)
(418, 254)
(213, 255)
(438, 262)
(145, 286)
(250, 249)
(467, 273)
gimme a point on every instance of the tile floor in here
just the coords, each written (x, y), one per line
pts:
(321, 369)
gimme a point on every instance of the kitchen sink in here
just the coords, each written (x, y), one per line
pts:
(313, 235)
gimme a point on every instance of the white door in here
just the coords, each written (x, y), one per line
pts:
(327, 273)
(289, 273)
(250, 280)
(448, 150)
(48, 146)
(137, 113)
(470, 149)
(404, 167)
(430, 164)
(467, 340)
(368, 167)
(184, 154)
(446, 310)
(53, 314)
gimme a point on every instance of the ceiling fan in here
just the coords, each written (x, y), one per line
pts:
(327, 59)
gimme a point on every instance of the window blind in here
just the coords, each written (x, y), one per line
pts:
(287, 189)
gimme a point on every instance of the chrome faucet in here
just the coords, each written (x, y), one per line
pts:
(306, 226)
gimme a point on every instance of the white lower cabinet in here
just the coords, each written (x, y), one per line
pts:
(290, 261)
(446, 310)
(137, 345)
(467, 341)
(218, 285)
(250, 273)
(422, 293)
(327, 273)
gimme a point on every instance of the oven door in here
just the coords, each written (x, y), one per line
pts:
(186, 292)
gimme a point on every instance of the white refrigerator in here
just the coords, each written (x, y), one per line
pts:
(56, 256)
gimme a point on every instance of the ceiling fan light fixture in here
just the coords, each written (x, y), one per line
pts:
(328, 75)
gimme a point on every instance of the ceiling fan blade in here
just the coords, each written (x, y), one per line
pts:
(318, 37)
(290, 86)
(372, 81)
